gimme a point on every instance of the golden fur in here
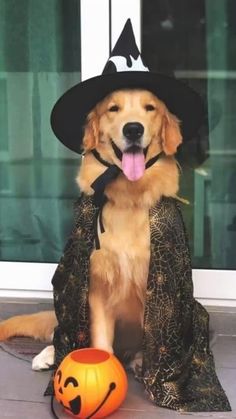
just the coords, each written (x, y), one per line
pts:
(118, 270)
(38, 325)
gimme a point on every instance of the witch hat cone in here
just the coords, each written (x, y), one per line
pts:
(125, 55)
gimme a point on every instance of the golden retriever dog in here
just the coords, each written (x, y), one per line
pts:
(134, 120)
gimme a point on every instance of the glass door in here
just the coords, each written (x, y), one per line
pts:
(46, 47)
(195, 41)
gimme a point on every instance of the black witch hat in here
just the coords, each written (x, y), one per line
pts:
(124, 69)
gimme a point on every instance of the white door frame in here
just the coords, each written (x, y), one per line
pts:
(100, 20)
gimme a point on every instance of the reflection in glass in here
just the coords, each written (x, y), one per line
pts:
(195, 40)
(40, 61)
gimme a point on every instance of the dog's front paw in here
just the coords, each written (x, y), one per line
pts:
(136, 364)
(44, 360)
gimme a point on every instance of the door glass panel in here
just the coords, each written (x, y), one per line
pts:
(195, 40)
(40, 60)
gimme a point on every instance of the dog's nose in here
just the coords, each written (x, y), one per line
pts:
(133, 130)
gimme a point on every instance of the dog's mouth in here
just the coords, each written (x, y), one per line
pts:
(133, 162)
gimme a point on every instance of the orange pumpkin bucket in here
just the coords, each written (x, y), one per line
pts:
(90, 383)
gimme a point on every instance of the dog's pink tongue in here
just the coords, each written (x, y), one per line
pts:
(133, 165)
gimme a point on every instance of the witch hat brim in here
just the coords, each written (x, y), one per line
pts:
(69, 114)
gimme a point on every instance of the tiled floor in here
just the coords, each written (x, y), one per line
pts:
(21, 389)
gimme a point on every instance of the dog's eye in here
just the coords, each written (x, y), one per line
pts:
(114, 108)
(149, 108)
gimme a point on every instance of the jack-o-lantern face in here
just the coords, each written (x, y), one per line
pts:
(75, 404)
(90, 383)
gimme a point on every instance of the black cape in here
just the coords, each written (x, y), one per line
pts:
(178, 368)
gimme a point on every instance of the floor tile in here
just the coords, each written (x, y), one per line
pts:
(19, 382)
(227, 377)
(21, 389)
(223, 322)
(25, 410)
(224, 352)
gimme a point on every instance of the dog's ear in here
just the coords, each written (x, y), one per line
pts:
(170, 133)
(91, 131)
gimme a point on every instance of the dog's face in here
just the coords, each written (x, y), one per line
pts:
(131, 118)
(134, 120)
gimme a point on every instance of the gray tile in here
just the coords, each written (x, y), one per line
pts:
(227, 377)
(19, 382)
(25, 410)
(156, 412)
(21, 389)
(223, 323)
(136, 397)
(224, 352)
(221, 309)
